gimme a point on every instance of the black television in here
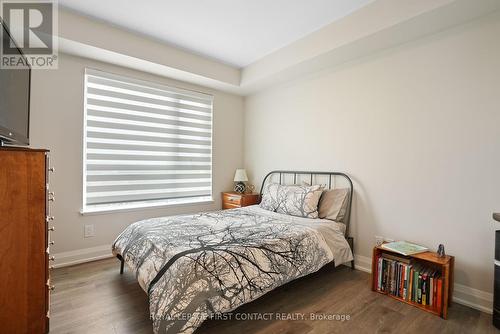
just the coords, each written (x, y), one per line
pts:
(14, 98)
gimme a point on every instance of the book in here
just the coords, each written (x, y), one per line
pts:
(439, 297)
(405, 281)
(415, 284)
(434, 292)
(404, 248)
(402, 280)
(424, 288)
(398, 280)
(379, 273)
(385, 270)
(393, 277)
(410, 286)
(431, 290)
(395, 257)
(419, 289)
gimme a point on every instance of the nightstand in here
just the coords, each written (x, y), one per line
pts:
(232, 200)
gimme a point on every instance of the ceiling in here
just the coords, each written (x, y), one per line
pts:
(235, 32)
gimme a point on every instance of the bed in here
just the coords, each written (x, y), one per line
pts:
(196, 266)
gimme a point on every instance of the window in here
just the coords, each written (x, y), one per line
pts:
(144, 144)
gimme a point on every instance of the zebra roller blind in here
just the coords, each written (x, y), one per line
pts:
(145, 144)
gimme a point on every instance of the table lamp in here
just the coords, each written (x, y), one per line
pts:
(240, 177)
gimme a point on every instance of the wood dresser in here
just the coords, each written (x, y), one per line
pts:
(232, 200)
(24, 250)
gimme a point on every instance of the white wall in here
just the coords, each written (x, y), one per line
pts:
(57, 124)
(417, 128)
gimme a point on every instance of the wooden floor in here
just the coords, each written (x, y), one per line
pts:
(95, 298)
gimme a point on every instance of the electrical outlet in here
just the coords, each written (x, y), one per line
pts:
(379, 240)
(88, 231)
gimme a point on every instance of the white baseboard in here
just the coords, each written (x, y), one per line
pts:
(477, 299)
(363, 263)
(462, 294)
(70, 258)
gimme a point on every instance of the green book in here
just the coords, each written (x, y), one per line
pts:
(404, 248)
(415, 284)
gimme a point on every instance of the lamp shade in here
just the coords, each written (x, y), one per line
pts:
(240, 176)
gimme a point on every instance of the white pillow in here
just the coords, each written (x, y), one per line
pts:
(333, 204)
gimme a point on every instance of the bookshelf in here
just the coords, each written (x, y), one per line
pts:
(443, 265)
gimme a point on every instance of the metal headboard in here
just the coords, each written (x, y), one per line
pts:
(331, 176)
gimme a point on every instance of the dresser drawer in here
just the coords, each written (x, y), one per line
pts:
(250, 199)
(230, 206)
(231, 199)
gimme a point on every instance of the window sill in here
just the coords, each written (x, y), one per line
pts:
(140, 206)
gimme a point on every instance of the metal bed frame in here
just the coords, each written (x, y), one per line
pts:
(282, 176)
(331, 175)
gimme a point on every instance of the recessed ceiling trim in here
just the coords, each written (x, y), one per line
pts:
(359, 35)
(237, 33)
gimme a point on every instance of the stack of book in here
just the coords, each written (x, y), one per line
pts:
(412, 282)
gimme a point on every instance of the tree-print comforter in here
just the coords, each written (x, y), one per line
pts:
(194, 266)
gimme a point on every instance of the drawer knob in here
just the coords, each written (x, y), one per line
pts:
(52, 258)
(52, 228)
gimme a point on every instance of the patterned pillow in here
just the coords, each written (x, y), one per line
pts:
(300, 201)
(269, 199)
(294, 200)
